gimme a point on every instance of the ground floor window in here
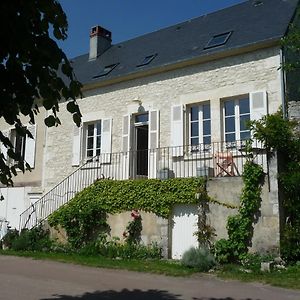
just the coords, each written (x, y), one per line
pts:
(200, 124)
(92, 139)
(236, 113)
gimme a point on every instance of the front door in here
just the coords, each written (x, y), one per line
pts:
(142, 151)
(141, 145)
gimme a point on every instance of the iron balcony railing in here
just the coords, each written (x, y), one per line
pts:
(212, 160)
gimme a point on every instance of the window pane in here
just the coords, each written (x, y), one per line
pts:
(206, 127)
(206, 111)
(98, 152)
(230, 124)
(229, 108)
(230, 137)
(141, 118)
(195, 141)
(243, 122)
(98, 142)
(90, 130)
(194, 113)
(90, 143)
(207, 140)
(98, 124)
(195, 129)
(244, 106)
(89, 153)
(245, 135)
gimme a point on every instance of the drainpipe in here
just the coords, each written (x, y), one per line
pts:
(282, 84)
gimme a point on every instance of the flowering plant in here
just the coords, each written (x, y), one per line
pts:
(132, 234)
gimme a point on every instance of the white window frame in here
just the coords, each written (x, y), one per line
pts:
(237, 116)
(200, 122)
(95, 135)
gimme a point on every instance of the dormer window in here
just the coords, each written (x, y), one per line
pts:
(147, 60)
(218, 40)
(106, 70)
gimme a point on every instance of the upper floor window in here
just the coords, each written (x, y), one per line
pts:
(19, 143)
(236, 114)
(200, 124)
(92, 139)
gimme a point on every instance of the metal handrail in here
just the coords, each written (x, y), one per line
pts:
(216, 159)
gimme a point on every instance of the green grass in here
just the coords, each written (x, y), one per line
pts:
(288, 278)
(166, 267)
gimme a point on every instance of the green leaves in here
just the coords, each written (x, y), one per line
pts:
(32, 66)
(239, 227)
(83, 212)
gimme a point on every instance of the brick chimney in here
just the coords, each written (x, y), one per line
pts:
(100, 41)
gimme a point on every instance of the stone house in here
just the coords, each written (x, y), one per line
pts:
(172, 103)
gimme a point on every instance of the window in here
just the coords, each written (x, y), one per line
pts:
(218, 40)
(200, 124)
(18, 143)
(105, 71)
(92, 139)
(147, 60)
(236, 114)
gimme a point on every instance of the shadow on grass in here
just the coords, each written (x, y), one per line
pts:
(131, 295)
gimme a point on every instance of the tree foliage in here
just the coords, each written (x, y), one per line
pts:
(291, 65)
(282, 135)
(34, 71)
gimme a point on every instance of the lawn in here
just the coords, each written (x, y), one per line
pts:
(288, 278)
(165, 267)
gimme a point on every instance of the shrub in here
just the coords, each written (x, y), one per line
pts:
(199, 258)
(36, 239)
(114, 248)
(8, 239)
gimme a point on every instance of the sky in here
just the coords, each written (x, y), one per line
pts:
(127, 19)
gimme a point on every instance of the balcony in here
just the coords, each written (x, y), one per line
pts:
(220, 159)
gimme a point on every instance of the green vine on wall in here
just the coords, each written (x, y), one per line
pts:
(240, 226)
(86, 213)
(281, 135)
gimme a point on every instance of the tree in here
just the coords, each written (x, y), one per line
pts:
(34, 71)
(291, 65)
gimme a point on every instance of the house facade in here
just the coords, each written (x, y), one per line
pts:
(173, 103)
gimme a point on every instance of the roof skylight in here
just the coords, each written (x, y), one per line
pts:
(218, 40)
(147, 60)
(106, 70)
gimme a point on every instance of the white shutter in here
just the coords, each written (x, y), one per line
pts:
(126, 146)
(106, 131)
(30, 146)
(153, 142)
(177, 130)
(76, 145)
(258, 105)
(258, 108)
(6, 133)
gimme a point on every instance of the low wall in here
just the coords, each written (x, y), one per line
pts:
(228, 190)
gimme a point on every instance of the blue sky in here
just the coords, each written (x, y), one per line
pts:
(127, 19)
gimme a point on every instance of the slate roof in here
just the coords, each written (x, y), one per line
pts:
(250, 24)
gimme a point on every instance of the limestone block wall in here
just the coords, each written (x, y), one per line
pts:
(266, 236)
(155, 229)
(213, 81)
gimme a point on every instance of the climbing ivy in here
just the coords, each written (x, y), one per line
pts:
(282, 135)
(86, 213)
(240, 226)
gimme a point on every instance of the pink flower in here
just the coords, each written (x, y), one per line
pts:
(135, 214)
